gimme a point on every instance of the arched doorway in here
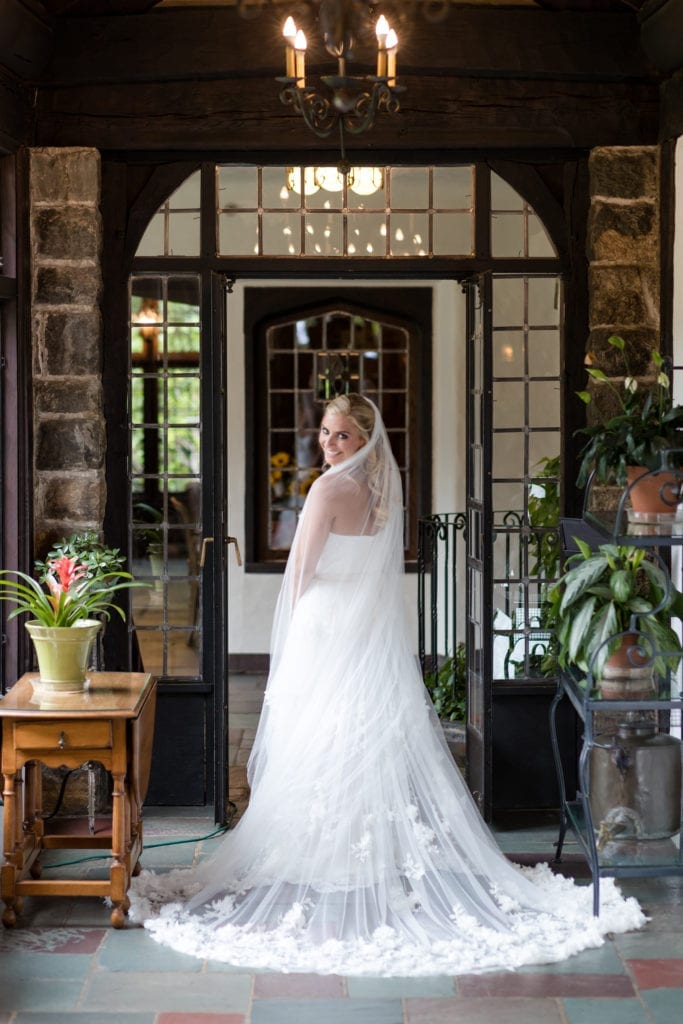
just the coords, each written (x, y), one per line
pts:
(427, 227)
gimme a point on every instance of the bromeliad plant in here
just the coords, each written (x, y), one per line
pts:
(606, 593)
(646, 425)
(77, 580)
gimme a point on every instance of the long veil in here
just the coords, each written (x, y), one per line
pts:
(362, 850)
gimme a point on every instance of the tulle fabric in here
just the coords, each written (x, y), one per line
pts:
(362, 851)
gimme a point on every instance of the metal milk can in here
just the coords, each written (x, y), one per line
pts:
(635, 783)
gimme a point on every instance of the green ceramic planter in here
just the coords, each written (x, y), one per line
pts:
(63, 653)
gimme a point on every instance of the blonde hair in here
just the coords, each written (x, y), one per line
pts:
(357, 409)
(362, 413)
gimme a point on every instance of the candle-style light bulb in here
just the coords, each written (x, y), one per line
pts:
(392, 47)
(289, 32)
(300, 53)
(381, 30)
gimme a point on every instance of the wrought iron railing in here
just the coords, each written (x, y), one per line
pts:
(440, 594)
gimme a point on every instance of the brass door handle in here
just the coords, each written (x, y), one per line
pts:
(238, 556)
(202, 556)
(228, 540)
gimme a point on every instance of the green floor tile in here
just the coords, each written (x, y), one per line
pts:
(605, 1011)
(49, 994)
(196, 992)
(327, 1011)
(644, 945)
(665, 1004)
(43, 965)
(603, 960)
(86, 1018)
(398, 988)
(128, 948)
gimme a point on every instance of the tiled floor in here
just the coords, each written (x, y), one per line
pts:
(63, 963)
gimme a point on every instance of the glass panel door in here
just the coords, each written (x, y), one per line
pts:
(478, 544)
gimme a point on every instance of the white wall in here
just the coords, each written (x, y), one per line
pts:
(252, 595)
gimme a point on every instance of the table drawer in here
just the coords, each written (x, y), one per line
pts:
(64, 735)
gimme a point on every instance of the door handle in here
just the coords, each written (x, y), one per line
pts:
(238, 556)
(228, 540)
(202, 556)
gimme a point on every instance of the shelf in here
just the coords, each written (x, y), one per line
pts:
(627, 856)
(666, 530)
(585, 700)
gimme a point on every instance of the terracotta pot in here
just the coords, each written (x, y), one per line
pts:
(627, 675)
(63, 653)
(652, 492)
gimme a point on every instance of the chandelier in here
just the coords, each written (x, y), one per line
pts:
(364, 181)
(345, 102)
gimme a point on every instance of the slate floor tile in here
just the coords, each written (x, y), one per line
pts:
(51, 940)
(74, 1017)
(665, 1005)
(603, 960)
(127, 949)
(46, 994)
(658, 974)
(399, 988)
(483, 1011)
(327, 1011)
(649, 945)
(544, 985)
(298, 986)
(199, 1018)
(605, 1011)
(43, 965)
(177, 992)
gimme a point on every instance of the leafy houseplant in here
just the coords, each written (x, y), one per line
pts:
(75, 590)
(646, 425)
(605, 594)
(447, 686)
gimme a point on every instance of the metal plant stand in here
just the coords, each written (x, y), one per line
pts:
(616, 847)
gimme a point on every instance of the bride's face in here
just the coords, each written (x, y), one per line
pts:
(339, 438)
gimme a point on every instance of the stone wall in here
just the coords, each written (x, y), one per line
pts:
(623, 246)
(623, 253)
(68, 417)
(66, 284)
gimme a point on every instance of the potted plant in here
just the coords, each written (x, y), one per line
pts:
(640, 438)
(613, 601)
(447, 687)
(73, 594)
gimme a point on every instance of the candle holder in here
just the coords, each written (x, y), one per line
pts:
(350, 102)
(344, 102)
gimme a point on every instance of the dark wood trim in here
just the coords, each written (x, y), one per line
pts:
(15, 330)
(667, 210)
(264, 307)
(16, 119)
(118, 650)
(258, 664)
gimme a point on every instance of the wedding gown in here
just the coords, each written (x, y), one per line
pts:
(362, 851)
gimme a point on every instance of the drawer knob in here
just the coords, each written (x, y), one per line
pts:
(61, 742)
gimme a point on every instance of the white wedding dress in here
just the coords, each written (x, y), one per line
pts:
(362, 851)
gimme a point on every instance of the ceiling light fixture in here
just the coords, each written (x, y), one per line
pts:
(344, 102)
(364, 181)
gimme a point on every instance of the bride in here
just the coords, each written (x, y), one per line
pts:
(361, 851)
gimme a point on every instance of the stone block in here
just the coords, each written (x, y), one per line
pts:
(75, 497)
(639, 344)
(70, 343)
(623, 232)
(64, 174)
(66, 232)
(67, 284)
(623, 297)
(76, 443)
(74, 797)
(624, 172)
(80, 395)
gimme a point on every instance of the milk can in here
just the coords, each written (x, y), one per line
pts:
(635, 783)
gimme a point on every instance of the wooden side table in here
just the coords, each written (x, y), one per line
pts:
(111, 722)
